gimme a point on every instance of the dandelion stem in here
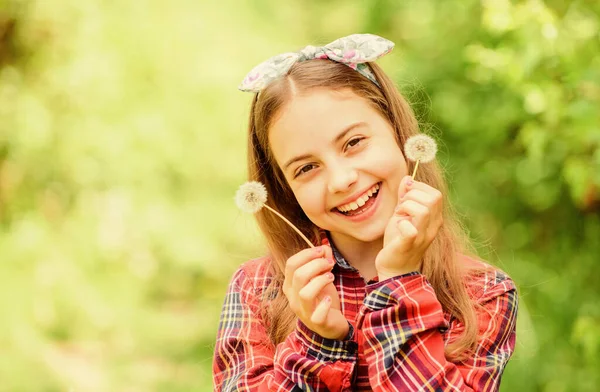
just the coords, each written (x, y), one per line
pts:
(291, 225)
(415, 171)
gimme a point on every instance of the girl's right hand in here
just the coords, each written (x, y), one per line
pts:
(413, 227)
(309, 288)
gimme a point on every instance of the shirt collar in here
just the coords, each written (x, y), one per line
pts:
(339, 259)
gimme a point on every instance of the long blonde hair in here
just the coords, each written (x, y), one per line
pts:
(442, 261)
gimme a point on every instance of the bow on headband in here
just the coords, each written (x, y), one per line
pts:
(354, 50)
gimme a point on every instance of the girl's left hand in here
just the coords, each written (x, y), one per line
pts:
(412, 228)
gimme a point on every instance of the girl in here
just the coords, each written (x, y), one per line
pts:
(389, 300)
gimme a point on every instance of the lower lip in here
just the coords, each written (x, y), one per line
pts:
(365, 214)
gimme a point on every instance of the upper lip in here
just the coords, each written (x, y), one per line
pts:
(355, 196)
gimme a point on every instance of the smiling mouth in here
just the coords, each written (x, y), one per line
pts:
(361, 204)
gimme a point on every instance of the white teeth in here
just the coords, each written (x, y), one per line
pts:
(360, 201)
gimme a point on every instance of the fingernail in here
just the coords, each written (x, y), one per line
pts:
(409, 182)
(331, 260)
(328, 299)
(318, 251)
(329, 276)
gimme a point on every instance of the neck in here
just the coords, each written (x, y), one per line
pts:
(360, 255)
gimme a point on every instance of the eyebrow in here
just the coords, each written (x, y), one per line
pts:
(340, 136)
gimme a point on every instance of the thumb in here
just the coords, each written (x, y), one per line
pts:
(404, 186)
(328, 252)
(330, 288)
(332, 292)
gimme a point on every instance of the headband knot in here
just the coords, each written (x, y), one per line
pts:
(354, 51)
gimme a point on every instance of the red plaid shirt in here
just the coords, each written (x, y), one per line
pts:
(396, 341)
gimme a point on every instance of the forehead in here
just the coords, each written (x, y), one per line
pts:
(316, 117)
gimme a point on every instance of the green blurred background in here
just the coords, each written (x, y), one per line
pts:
(122, 142)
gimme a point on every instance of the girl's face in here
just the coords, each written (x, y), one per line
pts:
(341, 160)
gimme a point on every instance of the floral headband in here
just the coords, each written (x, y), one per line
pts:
(354, 51)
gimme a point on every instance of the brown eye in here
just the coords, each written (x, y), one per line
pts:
(354, 142)
(304, 169)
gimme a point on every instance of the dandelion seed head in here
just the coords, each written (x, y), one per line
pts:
(420, 148)
(251, 197)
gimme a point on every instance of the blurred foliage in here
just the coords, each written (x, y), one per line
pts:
(122, 143)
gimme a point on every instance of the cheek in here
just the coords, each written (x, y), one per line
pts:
(390, 161)
(310, 199)
(391, 167)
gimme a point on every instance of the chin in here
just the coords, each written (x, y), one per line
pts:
(366, 235)
(369, 236)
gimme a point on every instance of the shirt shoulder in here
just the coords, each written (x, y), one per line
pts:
(254, 275)
(485, 281)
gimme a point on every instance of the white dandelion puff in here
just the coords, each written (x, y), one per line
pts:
(420, 148)
(252, 196)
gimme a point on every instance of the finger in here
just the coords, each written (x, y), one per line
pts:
(309, 271)
(319, 316)
(309, 292)
(428, 196)
(328, 252)
(431, 201)
(406, 239)
(331, 290)
(404, 187)
(298, 260)
(407, 229)
(401, 210)
(433, 230)
(419, 196)
(425, 188)
(418, 212)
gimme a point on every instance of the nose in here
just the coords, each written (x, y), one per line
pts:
(341, 178)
